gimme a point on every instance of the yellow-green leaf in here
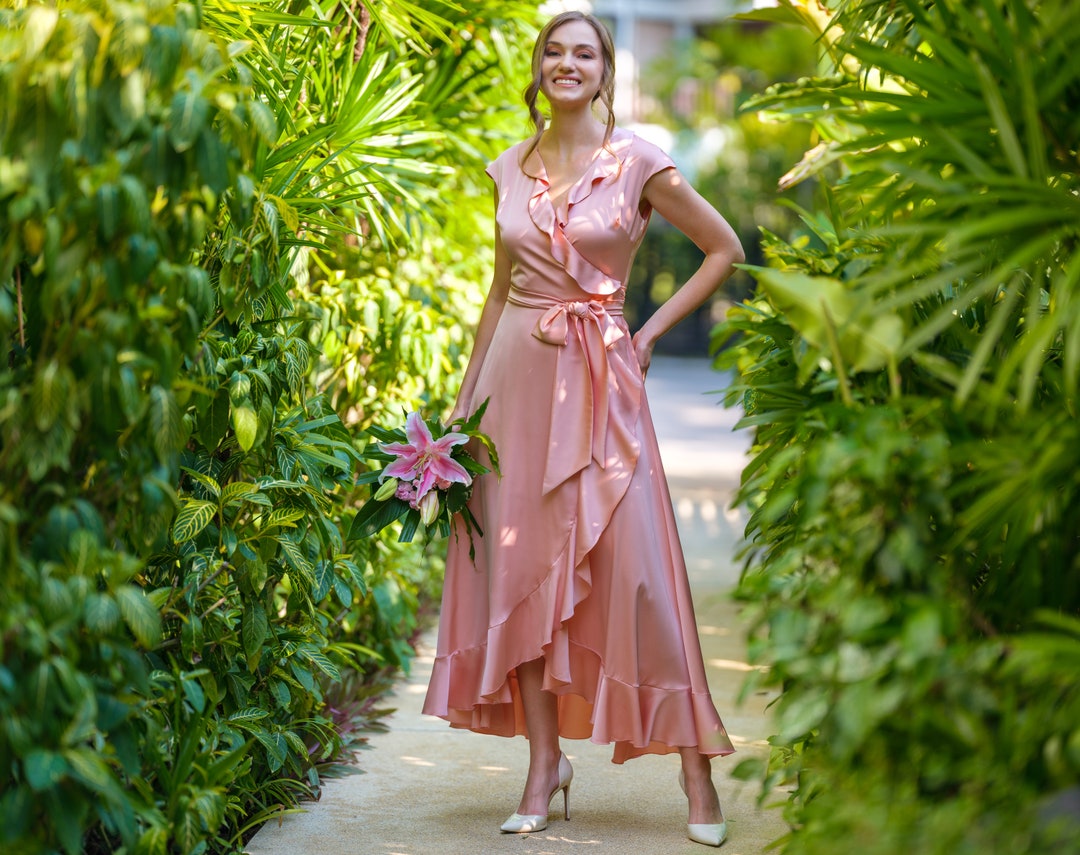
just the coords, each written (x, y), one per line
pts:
(193, 518)
(245, 422)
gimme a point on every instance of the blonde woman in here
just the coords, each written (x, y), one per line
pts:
(573, 618)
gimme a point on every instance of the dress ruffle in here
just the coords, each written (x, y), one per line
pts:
(605, 167)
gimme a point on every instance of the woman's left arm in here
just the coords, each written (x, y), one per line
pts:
(672, 197)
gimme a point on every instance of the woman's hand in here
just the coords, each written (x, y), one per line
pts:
(643, 348)
(458, 416)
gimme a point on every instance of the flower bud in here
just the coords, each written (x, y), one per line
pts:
(387, 489)
(429, 508)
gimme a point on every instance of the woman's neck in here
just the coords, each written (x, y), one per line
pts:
(569, 132)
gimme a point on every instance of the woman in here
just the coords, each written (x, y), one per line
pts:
(574, 617)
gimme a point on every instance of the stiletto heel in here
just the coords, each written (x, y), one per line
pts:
(521, 823)
(707, 833)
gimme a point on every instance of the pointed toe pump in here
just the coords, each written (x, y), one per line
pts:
(710, 834)
(522, 823)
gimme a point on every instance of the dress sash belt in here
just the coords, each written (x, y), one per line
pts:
(585, 331)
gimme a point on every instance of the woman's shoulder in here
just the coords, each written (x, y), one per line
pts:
(509, 157)
(637, 152)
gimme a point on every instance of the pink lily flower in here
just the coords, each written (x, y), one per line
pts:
(424, 460)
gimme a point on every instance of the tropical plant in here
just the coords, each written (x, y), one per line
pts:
(179, 600)
(910, 369)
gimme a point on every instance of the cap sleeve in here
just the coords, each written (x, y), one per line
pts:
(497, 168)
(494, 171)
(649, 159)
(645, 161)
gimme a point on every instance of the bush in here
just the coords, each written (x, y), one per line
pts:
(910, 370)
(179, 600)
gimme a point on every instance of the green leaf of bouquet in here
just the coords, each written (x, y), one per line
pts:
(368, 477)
(375, 516)
(385, 435)
(471, 464)
(409, 526)
(473, 422)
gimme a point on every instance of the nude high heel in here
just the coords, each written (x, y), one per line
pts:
(520, 823)
(699, 832)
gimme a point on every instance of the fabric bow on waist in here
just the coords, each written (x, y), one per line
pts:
(584, 331)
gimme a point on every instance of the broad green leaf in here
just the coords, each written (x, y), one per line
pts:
(44, 769)
(374, 516)
(49, 396)
(154, 841)
(139, 614)
(296, 560)
(215, 421)
(187, 116)
(92, 771)
(193, 517)
(209, 483)
(276, 749)
(254, 627)
(164, 422)
(238, 491)
(101, 613)
(248, 715)
(284, 518)
(262, 118)
(40, 25)
(245, 423)
(827, 315)
(320, 661)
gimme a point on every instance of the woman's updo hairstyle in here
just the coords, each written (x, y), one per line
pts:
(606, 93)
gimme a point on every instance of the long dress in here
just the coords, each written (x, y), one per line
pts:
(580, 560)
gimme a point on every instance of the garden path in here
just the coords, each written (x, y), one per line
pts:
(428, 790)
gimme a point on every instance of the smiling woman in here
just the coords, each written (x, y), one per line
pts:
(573, 617)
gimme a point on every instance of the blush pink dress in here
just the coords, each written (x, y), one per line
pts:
(580, 561)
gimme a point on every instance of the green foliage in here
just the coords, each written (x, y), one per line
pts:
(909, 370)
(179, 184)
(120, 133)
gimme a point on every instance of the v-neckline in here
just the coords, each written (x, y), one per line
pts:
(558, 207)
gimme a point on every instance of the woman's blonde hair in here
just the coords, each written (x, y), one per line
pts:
(606, 93)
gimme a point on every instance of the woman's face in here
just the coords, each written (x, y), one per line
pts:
(572, 67)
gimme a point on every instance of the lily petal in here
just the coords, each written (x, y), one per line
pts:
(447, 441)
(398, 448)
(417, 431)
(448, 470)
(403, 467)
(427, 481)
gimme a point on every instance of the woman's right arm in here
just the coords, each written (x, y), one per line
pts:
(485, 330)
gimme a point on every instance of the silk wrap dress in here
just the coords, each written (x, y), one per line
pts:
(580, 561)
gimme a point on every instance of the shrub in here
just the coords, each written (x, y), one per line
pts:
(910, 370)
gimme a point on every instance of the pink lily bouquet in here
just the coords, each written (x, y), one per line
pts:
(427, 477)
